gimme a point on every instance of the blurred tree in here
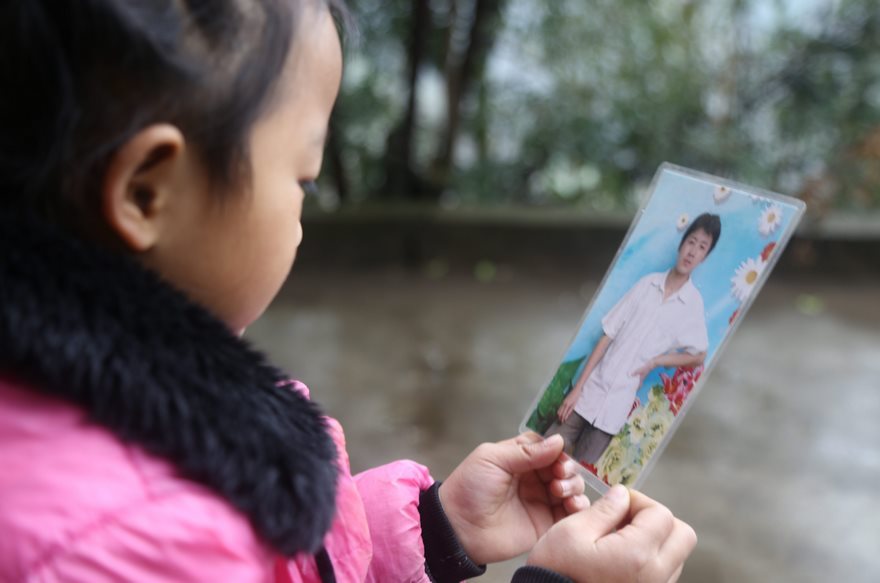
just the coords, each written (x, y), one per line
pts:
(421, 39)
(827, 97)
(401, 178)
(573, 102)
(465, 63)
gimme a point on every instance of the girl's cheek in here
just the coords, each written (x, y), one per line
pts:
(298, 235)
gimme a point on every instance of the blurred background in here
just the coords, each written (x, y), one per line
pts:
(485, 161)
(575, 103)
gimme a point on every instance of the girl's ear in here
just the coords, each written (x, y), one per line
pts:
(139, 183)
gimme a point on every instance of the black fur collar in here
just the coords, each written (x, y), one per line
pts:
(97, 329)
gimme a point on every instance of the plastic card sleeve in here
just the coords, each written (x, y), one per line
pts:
(696, 255)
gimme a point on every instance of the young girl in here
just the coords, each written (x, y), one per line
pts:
(152, 166)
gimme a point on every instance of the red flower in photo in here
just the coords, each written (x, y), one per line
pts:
(636, 404)
(733, 317)
(765, 254)
(679, 386)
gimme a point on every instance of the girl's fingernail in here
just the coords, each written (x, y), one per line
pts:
(617, 493)
(553, 439)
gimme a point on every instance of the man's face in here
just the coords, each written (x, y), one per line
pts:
(693, 251)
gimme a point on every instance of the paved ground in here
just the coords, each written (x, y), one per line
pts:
(776, 466)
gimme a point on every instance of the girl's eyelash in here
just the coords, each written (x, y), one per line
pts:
(309, 187)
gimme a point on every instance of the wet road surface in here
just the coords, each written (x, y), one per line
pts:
(777, 465)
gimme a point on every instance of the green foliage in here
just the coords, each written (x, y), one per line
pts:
(545, 413)
(576, 103)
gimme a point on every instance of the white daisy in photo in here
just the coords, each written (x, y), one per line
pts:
(747, 275)
(683, 221)
(770, 219)
(722, 193)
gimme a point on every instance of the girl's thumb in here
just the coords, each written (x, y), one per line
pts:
(608, 512)
(518, 458)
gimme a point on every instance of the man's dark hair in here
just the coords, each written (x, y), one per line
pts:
(707, 222)
(82, 77)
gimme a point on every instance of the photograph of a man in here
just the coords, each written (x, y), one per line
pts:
(659, 322)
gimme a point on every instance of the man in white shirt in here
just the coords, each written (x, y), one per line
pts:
(659, 322)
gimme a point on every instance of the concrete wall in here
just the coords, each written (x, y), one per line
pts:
(412, 237)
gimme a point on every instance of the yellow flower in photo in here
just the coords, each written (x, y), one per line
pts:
(654, 407)
(656, 402)
(747, 274)
(614, 477)
(659, 424)
(628, 474)
(722, 193)
(683, 221)
(613, 461)
(638, 424)
(648, 448)
(770, 219)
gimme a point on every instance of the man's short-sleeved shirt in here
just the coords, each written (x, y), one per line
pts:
(642, 325)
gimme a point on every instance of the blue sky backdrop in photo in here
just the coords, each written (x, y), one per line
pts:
(653, 246)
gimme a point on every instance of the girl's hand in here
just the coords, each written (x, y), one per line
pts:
(567, 406)
(504, 496)
(625, 536)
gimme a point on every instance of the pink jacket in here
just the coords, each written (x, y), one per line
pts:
(78, 504)
(152, 444)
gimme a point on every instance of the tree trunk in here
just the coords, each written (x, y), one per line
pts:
(461, 70)
(400, 176)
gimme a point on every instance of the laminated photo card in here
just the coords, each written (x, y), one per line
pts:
(695, 257)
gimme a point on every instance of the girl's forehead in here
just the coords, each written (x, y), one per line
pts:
(315, 50)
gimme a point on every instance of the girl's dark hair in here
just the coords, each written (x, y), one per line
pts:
(83, 76)
(707, 222)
